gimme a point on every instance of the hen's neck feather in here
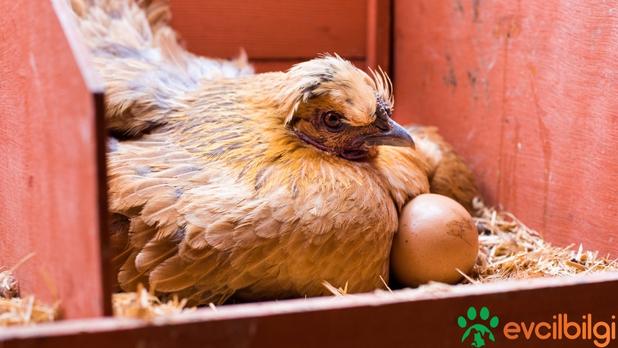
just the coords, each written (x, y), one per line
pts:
(239, 124)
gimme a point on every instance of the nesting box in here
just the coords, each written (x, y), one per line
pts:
(525, 91)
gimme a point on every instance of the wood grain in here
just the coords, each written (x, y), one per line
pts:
(526, 91)
(379, 34)
(271, 28)
(266, 65)
(401, 319)
(51, 191)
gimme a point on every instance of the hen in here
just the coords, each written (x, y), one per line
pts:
(225, 183)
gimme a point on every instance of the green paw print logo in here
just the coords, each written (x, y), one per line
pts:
(479, 330)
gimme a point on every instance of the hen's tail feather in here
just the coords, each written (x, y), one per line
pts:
(157, 12)
(145, 70)
(448, 174)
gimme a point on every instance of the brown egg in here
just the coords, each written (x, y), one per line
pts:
(436, 236)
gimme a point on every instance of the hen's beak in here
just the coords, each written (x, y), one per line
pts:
(395, 135)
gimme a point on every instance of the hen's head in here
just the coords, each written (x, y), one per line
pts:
(340, 109)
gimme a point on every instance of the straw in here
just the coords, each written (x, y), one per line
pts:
(508, 249)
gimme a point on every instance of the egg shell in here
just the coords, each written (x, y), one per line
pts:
(436, 236)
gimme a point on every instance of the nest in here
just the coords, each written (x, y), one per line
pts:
(15, 310)
(508, 250)
(144, 305)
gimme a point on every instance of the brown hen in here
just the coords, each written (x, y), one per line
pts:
(226, 183)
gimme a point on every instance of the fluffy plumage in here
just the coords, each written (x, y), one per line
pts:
(260, 186)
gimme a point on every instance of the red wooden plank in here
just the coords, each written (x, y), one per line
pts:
(51, 141)
(266, 65)
(526, 91)
(402, 319)
(272, 28)
(379, 34)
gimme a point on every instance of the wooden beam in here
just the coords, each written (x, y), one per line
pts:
(526, 92)
(403, 318)
(379, 34)
(52, 181)
(269, 29)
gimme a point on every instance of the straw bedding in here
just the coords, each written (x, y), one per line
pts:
(508, 250)
(16, 310)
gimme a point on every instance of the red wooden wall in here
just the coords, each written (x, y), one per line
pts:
(51, 158)
(528, 92)
(277, 34)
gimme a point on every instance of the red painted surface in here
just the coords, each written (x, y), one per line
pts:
(379, 25)
(403, 319)
(49, 190)
(275, 34)
(528, 92)
(266, 65)
(271, 28)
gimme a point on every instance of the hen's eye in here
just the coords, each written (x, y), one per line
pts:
(332, 121)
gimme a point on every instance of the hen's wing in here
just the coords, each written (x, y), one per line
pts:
(192, 229)
(448, 174)
(207, 230)
(145, 71)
